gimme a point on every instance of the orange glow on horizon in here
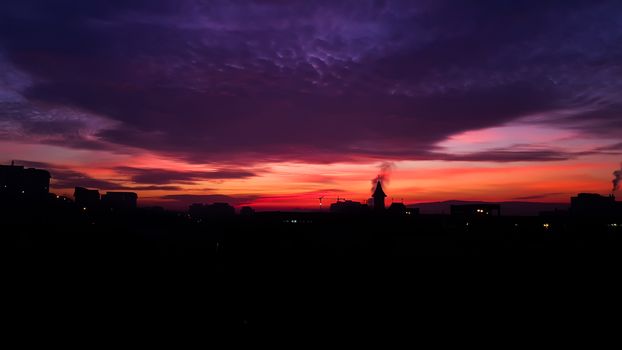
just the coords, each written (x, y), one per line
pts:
(294, 185)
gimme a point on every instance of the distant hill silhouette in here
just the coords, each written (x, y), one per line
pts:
(507, 208)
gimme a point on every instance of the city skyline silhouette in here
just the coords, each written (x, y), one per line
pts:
(519, 205)
(19, 183)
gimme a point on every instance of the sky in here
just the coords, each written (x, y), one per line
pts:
(273, 103)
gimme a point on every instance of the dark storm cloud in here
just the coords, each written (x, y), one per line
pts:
(540, 196)
(322, 81)
(162, 176)
(64, 178)
(142, 179)
(614, 147)
(509, 155)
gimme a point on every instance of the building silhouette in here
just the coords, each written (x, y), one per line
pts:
(397, 209)
(211, 211)
(346, 207)
(247, 211)
(593, 204)
(119, 200)
(91, 199)
(85, 198)
(17, 182)
(379, 197)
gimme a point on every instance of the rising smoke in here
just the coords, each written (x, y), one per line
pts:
(617, 178)
(384, 175)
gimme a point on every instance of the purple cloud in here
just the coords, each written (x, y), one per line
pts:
(162, 176)
(63, 178)
(324, 81)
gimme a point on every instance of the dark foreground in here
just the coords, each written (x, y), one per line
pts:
(281, 272)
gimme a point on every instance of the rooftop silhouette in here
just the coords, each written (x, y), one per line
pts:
(213, 234)
(17, 182)
(379, 196)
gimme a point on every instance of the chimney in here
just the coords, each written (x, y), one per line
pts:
(379, 196)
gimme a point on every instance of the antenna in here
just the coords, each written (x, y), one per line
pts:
(320, 198)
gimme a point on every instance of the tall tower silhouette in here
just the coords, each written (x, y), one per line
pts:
(379, 196)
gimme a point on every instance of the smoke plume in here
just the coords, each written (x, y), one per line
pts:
(384, 175)
(617, 178)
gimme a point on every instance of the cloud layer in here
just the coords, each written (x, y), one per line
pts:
(325, 81)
